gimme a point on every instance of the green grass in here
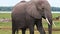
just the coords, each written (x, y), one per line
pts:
(5, 25)
(5, 15)
(5, 31)
(27, 32)
(55, 15)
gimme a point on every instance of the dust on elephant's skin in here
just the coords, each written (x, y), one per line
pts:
(27, 14)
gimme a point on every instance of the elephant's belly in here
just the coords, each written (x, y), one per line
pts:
(25, 23)
(21, 25)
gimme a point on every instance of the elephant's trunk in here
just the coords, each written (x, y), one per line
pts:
(49, 23)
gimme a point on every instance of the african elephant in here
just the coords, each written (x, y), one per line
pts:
(27, 14)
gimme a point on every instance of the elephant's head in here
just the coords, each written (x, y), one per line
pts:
(41, 9)
(38, 9)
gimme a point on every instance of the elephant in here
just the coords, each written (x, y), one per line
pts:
(27, 14)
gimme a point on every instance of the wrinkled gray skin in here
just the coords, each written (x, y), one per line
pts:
(27, 14)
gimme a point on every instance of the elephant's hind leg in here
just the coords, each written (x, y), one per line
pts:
(23, 30)
(13, 30)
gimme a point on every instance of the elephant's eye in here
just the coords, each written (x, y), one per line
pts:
(42, 8)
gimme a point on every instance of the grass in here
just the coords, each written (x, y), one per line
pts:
(5, 31)
(27, 32)
(55, 15)
(5, 15)
(5, 25)
(9, 24)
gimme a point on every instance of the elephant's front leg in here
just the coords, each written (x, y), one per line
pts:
(40, 27)
(31, 28)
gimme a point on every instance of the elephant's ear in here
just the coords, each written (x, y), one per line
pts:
(32, 11)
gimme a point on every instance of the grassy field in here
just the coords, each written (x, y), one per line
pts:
(27, 32)
(55, 15)
(5, 15)
(6, 27)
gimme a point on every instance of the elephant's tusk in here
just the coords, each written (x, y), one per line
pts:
(47, 21)
(54, 24)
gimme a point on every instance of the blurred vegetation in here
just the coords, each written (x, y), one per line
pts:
(10, 8)
(6, 8)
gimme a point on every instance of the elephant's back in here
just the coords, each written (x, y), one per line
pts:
(19, 7)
